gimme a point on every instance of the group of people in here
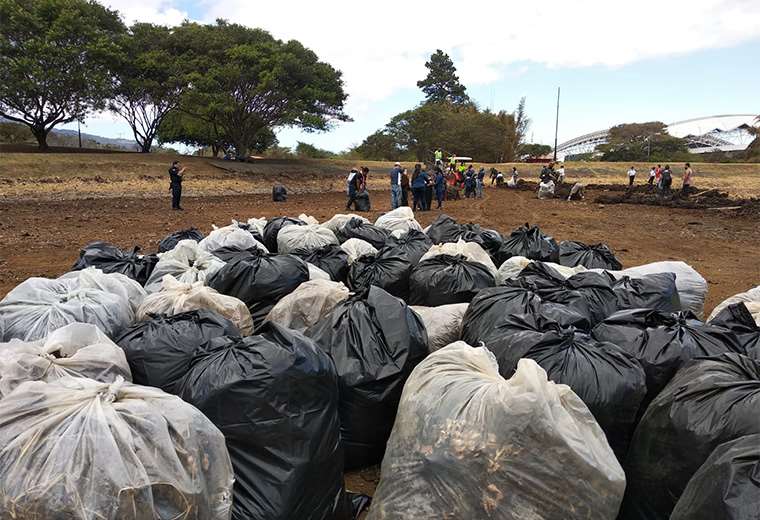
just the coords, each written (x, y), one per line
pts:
(662, 178)
(549, 173)
(422, 184)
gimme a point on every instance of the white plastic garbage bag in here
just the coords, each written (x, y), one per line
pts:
(443, 323)
(315, 273)
(305, 238)
(399, 219)
(77, 350)
(512, 267)
(356, 248)
(339, 220)
(692, 287)
(546, 190)
(230, 236)
(176, 297)
(308, 304)
(38, 306)
(473, 251)
(308, 219)
(258, 224)
(469, 444)
(751, 298)
(80, 449)
(187, 262)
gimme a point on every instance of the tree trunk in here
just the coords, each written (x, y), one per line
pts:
(40, 133)
(145, 145)
(215, 150)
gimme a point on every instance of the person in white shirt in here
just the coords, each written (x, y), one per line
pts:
(561, 174)
(652, 175)
(631, 177)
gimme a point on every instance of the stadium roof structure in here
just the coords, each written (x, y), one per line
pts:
(722, 133)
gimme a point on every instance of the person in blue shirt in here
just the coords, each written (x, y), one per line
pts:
(395, 175)
(419, 182)
(469, 182)
(440, 186)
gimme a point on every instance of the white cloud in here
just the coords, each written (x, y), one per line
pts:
(161, 12)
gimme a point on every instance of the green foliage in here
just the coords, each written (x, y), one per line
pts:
(441, 85)
(534, 149)
(149, 81)
(247, 82)
(310, 151)
(55, 61)
(14, 133)
(279, 152)
(643, 142)
(460, 130)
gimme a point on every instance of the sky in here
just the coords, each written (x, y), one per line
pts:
(614, 61)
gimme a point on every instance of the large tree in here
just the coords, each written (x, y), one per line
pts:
(249, 83)
(642, 142)
(442, 83)
(55, 61)
(149, 81)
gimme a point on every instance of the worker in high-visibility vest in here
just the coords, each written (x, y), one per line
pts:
(438, 157)
(452, 163)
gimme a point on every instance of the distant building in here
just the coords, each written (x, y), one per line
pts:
(725, 133)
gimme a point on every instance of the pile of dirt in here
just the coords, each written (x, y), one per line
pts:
(705, 199)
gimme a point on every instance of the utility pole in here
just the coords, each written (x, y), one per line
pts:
(556, 127)
(79, 134)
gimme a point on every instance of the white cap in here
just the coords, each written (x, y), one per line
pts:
(398, 163)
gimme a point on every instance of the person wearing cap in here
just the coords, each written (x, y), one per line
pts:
(395, 175)
(175, 184)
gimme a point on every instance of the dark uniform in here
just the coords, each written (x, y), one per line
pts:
(175, 185)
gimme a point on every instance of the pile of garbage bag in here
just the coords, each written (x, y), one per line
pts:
(187, 262)
(110, 259)
(77, 349)
(600, 256)
(177, 297)
(414, 244)
(332, 259)
(304, 238)
(468, 443)
(273, 227)
(709, 402)
(260, 280)
(80, 449)
(39, 306)
(159, 350)
(388, 269)
(738, 319)
(356, 228)
(172, 239)
(445, 279)
(375, 340)
(263, 392)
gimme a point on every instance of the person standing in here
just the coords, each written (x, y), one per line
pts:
(631, 177)
(428, 188)
(365, 178)
(494, 173)
(561, 174)
(652, 175)
(354, 182)
(657, 175)
(419, 181)
(440, 186)
(688, 179)
(666, 180)
(438, 157)
(469, 182)
(175, 184)
(479, 184)
(396, 172)
(405, 188)
(452, 162)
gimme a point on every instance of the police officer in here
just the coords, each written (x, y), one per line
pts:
(175, 184)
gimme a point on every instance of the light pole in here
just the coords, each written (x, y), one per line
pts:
(556, 128)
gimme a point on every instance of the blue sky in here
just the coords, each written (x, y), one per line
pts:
(692, 59)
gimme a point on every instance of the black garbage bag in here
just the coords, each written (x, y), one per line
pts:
(610, 381)
(225, 254)
(388, 269)
(110, 259)
(445, 279)
(444, 229)
(253, 230)
(531, 243)
(594, 256)
(273, 227)
(490, 240)
(362, 201)
(259, 279)
(588, 293)
(356, 228)
(497, 313)
(274, 396)
(159, 350)
(279, 193)
(413, 243)
(359, 503)
(739, 320)
(663, 342)
(726, 486)
(331, 258)
(375, 340)
(169, 241)
(655, 291)
(708, 402)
